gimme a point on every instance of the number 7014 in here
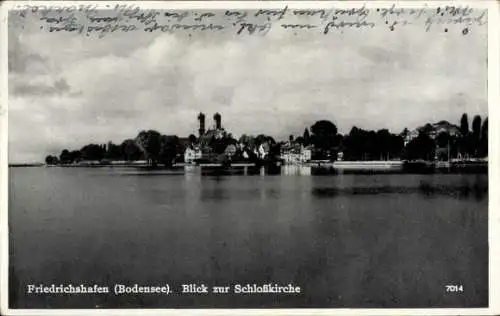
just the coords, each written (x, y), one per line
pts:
(454, 288)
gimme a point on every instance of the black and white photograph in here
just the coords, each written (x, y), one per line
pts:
(249, 155)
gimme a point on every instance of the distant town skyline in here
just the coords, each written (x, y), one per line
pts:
(67, 90)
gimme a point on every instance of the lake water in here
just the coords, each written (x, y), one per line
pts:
(388, 240)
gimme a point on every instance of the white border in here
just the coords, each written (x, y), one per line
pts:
(494, 171)
(4, 196)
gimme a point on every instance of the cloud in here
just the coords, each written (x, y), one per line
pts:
(38, 86)
(91, 90)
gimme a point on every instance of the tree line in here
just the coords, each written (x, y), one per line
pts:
(360, 144)
(158, 149)
(147, 145)
(322, 137)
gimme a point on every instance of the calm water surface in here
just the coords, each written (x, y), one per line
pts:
(346, 240)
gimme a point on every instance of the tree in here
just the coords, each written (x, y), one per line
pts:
(476, 135)
(290, 138)
(274, 152)
(306, 137)
(484, 139)
(422, 147)
(192, 139)
(75, 155)
(338, 140)
(465, 141)
(396, 146)
(219, 144)
(353, 144)
(114, 152)
(464, 125)
(93, 152)
(427, 129)
(247, 141)
(130, 150)
(371, 147)
(405, 132)
(443, 139)
(150, 143)
(65, 157)
(444, 143)
(323, 137)
(51, 160)
(384, 143)
(169, 149)
(261, 139)
(232, 140)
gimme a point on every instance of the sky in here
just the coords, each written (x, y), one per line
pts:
(67, 90)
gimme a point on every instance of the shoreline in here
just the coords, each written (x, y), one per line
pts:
(337, 163)
(316, 168)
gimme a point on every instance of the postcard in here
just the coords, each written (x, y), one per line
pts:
(250, 157)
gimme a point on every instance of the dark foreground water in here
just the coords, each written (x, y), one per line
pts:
(347, 240)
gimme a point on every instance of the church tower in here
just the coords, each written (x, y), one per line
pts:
(217, 120)
(201, 118)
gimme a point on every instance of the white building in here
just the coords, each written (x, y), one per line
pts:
(296, 155)
(192, 154)
(305, 154)
(291, 157)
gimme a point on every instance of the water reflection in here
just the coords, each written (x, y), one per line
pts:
(348, 240)
(295, 170)
(430, 187)
(465, 187)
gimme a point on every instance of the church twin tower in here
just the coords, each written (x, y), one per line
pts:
(217, 121)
